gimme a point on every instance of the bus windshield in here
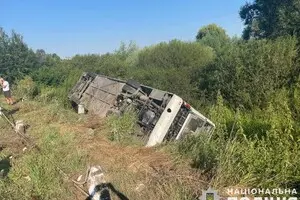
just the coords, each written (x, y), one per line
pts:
(196, 125)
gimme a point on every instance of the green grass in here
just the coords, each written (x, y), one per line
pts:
(36, 173)
(249, 150)
(123, 129)
(237, 158)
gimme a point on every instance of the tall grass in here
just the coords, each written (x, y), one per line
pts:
(236, 157)
(123, 128)
(37, 174)
(26, 88)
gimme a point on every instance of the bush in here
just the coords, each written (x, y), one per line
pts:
(122, 128)
(47, 95)
(176, 54)
(27, 88)
(202, 150)
(249, 73)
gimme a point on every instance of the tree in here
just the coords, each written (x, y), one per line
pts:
(213, 35)
(177, 54)
(16, 59)
(41, 55)
(271, 18)
(248, 73)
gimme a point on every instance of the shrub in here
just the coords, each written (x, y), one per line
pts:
(203, 151)
(47, 95)
(249, 73)
(27, 88)
(122, 127)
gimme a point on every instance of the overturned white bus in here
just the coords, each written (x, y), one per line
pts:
(163, 116)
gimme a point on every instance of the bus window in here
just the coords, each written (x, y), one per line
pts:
(194, 125)
(207, 127)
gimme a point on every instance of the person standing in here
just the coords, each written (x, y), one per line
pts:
(6, 91)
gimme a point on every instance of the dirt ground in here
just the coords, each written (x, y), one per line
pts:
(10, 141)
(137, 172)
(142, 172)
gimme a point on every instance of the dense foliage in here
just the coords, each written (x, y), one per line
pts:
(17, 60)
(270, 19)
(247, 73)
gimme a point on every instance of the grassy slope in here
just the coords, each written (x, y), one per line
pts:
(71, 142)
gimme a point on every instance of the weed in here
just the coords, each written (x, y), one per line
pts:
(122, 128)
(27, 88)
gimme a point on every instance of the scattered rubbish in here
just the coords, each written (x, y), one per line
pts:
(79, 178)
(98, 188)
(95, 178)
(91, 132)
(27, 178)
(140, 187)
(20, 126)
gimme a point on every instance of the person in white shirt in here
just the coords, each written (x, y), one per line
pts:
(6, 91)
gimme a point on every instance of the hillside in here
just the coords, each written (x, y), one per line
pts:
(71, 142)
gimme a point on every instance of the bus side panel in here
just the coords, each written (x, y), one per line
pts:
(166, 119)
